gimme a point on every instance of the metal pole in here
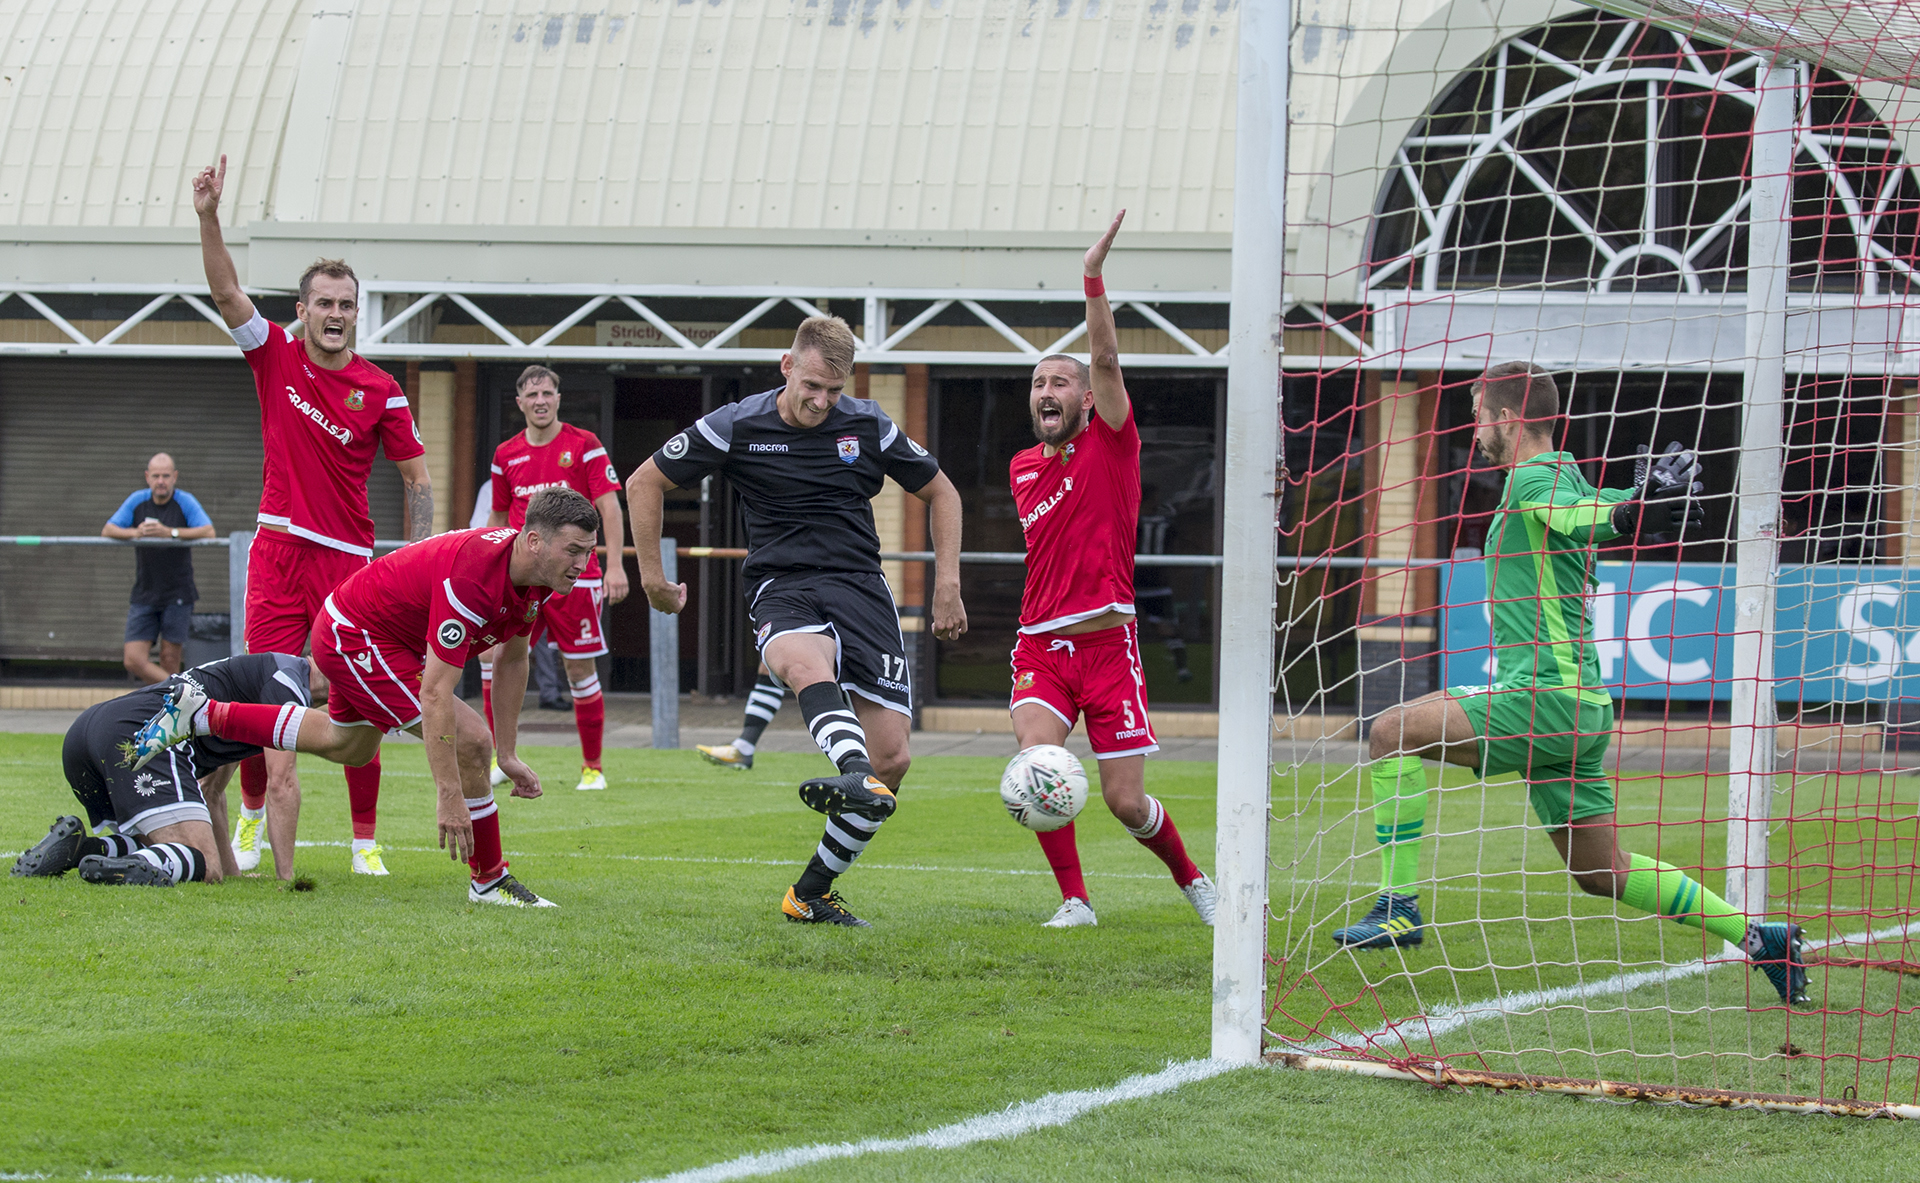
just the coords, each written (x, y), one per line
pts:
(1751, 762)
(1247, 575)
(663, 635)
(239, 545)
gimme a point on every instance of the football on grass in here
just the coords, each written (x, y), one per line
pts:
(1044, 787)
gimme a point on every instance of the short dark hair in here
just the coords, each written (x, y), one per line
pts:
(1080, 370)
(528, 375)
(550, 509)
(332, 269)
(1524, 389)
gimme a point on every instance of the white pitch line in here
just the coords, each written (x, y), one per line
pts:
(1445, 1020)
(1024, 1117)
(1059, 1108)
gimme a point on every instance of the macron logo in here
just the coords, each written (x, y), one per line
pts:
(1031, 476)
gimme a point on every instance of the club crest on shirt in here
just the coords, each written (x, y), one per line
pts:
(1023, 680)
(849, 448)
(566, 459)
(533, 610)
(356, 400)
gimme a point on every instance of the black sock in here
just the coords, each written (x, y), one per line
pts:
(835, 727)
(178, 860)
(763, 703)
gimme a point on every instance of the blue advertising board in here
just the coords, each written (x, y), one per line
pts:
(1842, 633)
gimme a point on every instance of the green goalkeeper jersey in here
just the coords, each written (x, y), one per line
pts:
(1539, 563)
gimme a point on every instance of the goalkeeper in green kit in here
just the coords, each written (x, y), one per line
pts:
(1547, 715)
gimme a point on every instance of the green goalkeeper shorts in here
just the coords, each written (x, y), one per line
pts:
(1555, 739)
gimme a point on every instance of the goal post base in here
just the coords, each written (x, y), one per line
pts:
(1440, 1075)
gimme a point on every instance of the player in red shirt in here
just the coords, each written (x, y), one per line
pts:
(1078, 496)
(393, 641)
(324, 411)
(547, 454)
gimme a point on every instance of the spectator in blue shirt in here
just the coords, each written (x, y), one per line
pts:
(161, 606)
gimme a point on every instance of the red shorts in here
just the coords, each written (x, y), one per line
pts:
(1097, 674)
(288, 578)
(369, 684)
(572, 621)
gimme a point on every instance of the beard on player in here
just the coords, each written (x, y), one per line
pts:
(1053, 423)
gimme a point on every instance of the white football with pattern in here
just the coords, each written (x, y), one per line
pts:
(1044, 787)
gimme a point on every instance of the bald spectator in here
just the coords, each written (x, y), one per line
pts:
(161, 606)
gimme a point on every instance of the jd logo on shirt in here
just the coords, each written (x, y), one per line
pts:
(676, 447)
(452, 633)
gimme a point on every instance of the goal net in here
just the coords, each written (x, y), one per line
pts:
(1703, 225)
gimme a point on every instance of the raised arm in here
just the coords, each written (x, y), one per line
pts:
(646, 501)
(235, 308)
(943, 500)
(1110, 400)
(418, 495)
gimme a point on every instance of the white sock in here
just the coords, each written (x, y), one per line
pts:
(363, 844)
(202, 726)
(253, 815)
(743, 746)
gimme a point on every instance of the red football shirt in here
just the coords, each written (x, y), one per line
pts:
(449, 596)
(1079, 510)
(572, 459)
(321, 429)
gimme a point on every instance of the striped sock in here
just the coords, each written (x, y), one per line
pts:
(1666, 890)
(763, 703)
(180, 862)
(835, 727)
(1399, 816)
(845, 837)
(109, 844)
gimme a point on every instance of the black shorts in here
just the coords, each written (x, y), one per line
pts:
(98, 768)
(857, 611)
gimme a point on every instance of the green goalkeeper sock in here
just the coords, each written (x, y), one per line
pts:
(1399, 813)
(1667, 891)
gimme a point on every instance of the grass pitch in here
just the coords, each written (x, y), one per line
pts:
(666, 1018)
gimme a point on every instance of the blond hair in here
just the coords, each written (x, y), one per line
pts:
(829, 339)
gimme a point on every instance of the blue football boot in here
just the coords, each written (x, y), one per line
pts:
(1782, 957)
(1394, 921)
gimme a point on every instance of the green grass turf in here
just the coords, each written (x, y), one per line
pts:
(666, 1018)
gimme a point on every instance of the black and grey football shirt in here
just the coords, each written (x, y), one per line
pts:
(807, 493)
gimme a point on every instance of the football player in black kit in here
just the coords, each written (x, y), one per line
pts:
(807, 462)
(151, 827)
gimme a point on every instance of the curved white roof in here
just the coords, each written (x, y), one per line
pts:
(753, 115)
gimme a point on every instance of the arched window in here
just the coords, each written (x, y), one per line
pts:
(1599, 154)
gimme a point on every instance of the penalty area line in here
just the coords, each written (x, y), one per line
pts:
(1054, 1109)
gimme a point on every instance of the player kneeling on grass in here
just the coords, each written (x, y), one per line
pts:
(151, 825)
(1547, 716)
(393, 643)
